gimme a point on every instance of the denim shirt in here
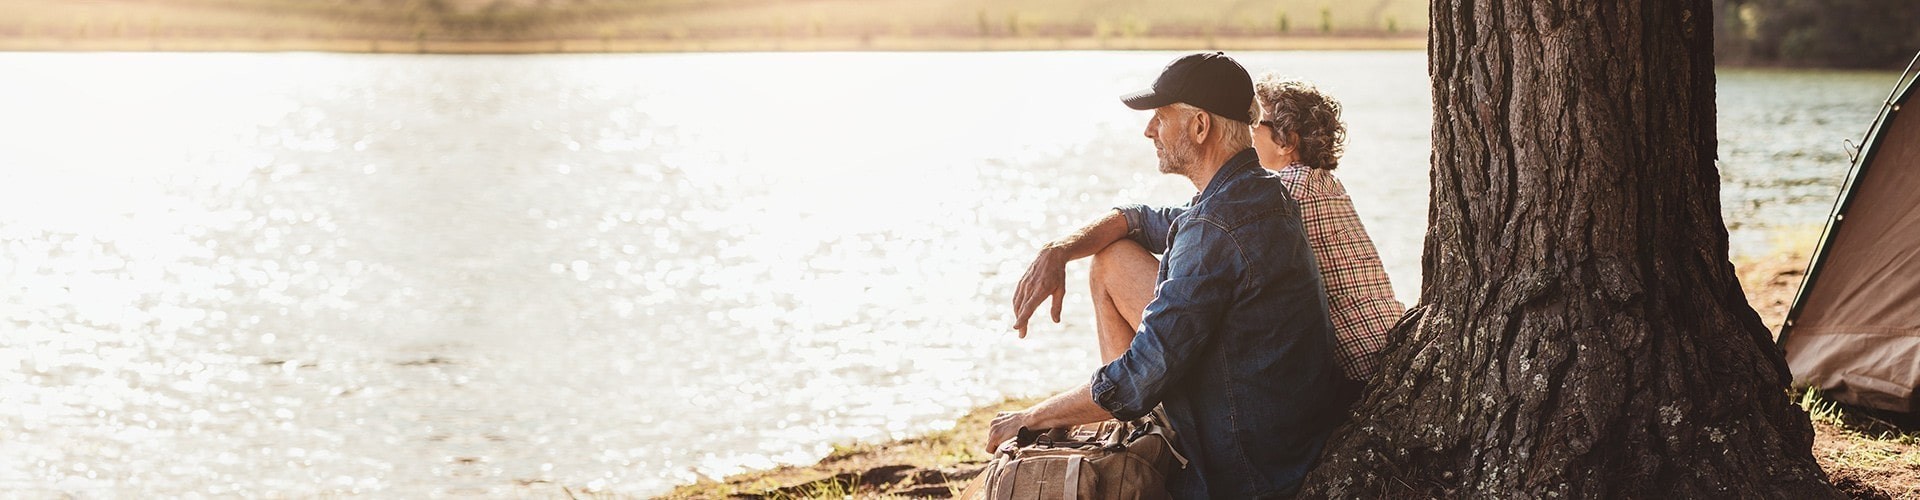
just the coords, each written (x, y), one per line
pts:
(1236, 342)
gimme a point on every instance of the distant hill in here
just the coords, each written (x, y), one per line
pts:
(518, 25)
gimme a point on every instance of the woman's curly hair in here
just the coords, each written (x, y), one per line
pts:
(1298, 107)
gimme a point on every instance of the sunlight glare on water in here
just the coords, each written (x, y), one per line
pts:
(309, 274)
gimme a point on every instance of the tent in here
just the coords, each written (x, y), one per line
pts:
(1854, 329)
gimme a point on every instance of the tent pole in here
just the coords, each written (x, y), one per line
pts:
(1902, 89)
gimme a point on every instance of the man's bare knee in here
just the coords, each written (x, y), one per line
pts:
(1113, 258)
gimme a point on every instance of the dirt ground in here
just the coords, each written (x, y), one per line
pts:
(1867, 467)
(1867, 456)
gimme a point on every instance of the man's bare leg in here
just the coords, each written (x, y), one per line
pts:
(1122, 280)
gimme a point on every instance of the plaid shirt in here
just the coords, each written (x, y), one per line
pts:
(1359, 297)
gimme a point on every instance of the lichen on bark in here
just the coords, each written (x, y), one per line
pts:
(1580, 332)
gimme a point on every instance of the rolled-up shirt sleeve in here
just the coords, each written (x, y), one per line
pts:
(1204, 270)
(1149, 226)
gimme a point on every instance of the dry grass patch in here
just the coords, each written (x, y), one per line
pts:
(936, 465)
(1865, 456)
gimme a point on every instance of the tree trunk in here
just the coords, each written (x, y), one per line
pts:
(1581, 332)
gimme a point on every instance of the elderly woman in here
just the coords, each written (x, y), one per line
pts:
(1299, 136)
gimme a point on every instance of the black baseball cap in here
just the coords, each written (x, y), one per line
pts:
(1208, 80)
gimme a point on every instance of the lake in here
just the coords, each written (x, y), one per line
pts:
(317, 274)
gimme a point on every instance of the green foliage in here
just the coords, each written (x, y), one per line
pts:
(1326, 20)
(1841, 33)
(1281, 23)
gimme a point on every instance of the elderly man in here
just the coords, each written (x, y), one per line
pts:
(1235, 343)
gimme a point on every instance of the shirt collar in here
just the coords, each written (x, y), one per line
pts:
(1234, 165)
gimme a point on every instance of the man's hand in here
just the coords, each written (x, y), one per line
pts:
(1046, 277)
(1005, 426)
(1063, 410)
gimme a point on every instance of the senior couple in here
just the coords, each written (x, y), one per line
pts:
(1264, 315)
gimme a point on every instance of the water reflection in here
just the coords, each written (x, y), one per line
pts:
(1783, 149)
(252, 275)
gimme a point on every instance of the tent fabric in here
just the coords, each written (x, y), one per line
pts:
(1856, 335)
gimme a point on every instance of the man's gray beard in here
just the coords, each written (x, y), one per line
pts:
(1177, 158)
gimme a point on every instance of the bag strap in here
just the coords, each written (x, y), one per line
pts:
(1072, 488)
(1156, 422)
(1005, 488)
(1117, 436)
(1164, 440)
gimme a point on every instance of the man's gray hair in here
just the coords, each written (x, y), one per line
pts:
(1234, 135)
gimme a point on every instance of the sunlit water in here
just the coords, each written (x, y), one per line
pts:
(314, 274)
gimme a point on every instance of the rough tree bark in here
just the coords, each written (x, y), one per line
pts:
(1581, 332)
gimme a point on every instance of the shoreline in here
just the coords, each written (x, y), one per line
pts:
(1355, 43)
(1862, 457)
(753, 44)
(935, 465)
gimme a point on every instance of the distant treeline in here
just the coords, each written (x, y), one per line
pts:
(1827, 33)
(516, 20)
(1830, 33)
(672, 23)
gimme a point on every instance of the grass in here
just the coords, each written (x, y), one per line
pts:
(1858, 423)
(937, 464)
(1864, 456)
(1819, 409)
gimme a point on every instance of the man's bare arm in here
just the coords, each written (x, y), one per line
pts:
(1070, 408)
(1047, 275)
